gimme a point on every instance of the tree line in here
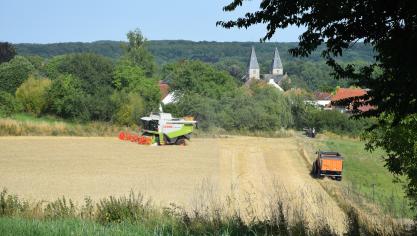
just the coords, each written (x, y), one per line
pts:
(91, 87)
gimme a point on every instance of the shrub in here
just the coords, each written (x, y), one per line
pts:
(60, 208)
(124, 209)
(14, 73)
(32, 95)
(11, 205)
(66, 98)
(130, 108)
(8, 104)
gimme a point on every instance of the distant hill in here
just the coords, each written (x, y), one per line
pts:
(310, 73)
(172, 50)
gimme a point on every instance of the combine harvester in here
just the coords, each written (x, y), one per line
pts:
(162, 129)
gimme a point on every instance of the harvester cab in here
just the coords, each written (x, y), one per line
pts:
(161, 129)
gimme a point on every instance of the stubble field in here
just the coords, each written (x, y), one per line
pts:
(246, 172)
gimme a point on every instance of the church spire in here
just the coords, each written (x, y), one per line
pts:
(253, 64)
(277, 68)
(254, 72)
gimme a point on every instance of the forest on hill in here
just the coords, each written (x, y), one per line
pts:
(309, 73)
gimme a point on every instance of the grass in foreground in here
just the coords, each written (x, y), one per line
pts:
(133, 215)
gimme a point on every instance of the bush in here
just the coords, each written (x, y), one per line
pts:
(14, 73)
(66, 98)
(124, 209)
(8, 104)
(32, 95)
(60, 208)
(130, 108)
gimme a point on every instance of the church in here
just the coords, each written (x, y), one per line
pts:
(274, 78)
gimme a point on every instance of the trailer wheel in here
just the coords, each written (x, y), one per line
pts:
(339, 178)
(314, 170)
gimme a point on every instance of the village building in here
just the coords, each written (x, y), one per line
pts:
(323, 100)
(344, 99)
(274, 78)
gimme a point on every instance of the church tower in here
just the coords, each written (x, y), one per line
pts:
(254, 72)
(276, 68)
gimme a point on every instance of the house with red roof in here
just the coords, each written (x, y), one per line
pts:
(344, 98)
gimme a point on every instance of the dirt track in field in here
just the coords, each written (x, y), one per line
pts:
(250, 171)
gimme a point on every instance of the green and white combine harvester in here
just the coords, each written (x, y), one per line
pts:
(162, 129)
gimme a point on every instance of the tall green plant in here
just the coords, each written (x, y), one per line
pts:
(32, 95)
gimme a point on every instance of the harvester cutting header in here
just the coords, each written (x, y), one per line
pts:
(161, 129)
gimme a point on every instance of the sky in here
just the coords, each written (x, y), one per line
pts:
(51, 21)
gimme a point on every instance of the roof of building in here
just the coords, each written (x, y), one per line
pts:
(276, 62)
(345, 93)
(322, 96)
(164, 89)
(253, 63)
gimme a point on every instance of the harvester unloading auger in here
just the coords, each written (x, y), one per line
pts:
(161, 129)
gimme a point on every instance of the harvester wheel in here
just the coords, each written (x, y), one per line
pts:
(180, 141)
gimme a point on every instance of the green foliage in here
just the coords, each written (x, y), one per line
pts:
(188, 77)
(8, 104)
(259, 108)
(91, 91)
(14, 73)
(32, 95)
(132, 78)
(313, 76)
(11, 205)
(67, 99)
(236, 68)
(51, 68)
(130, 108)
(7, 52)
(99, 105)
(94, 71)
(336, 122)
(229, 56)
(137, 53)
(400, 144)
(130, 209)
(60, 208)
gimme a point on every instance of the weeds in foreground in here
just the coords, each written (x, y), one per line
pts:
(135, 215)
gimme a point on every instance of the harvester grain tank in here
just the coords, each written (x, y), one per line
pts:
(328, 164)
